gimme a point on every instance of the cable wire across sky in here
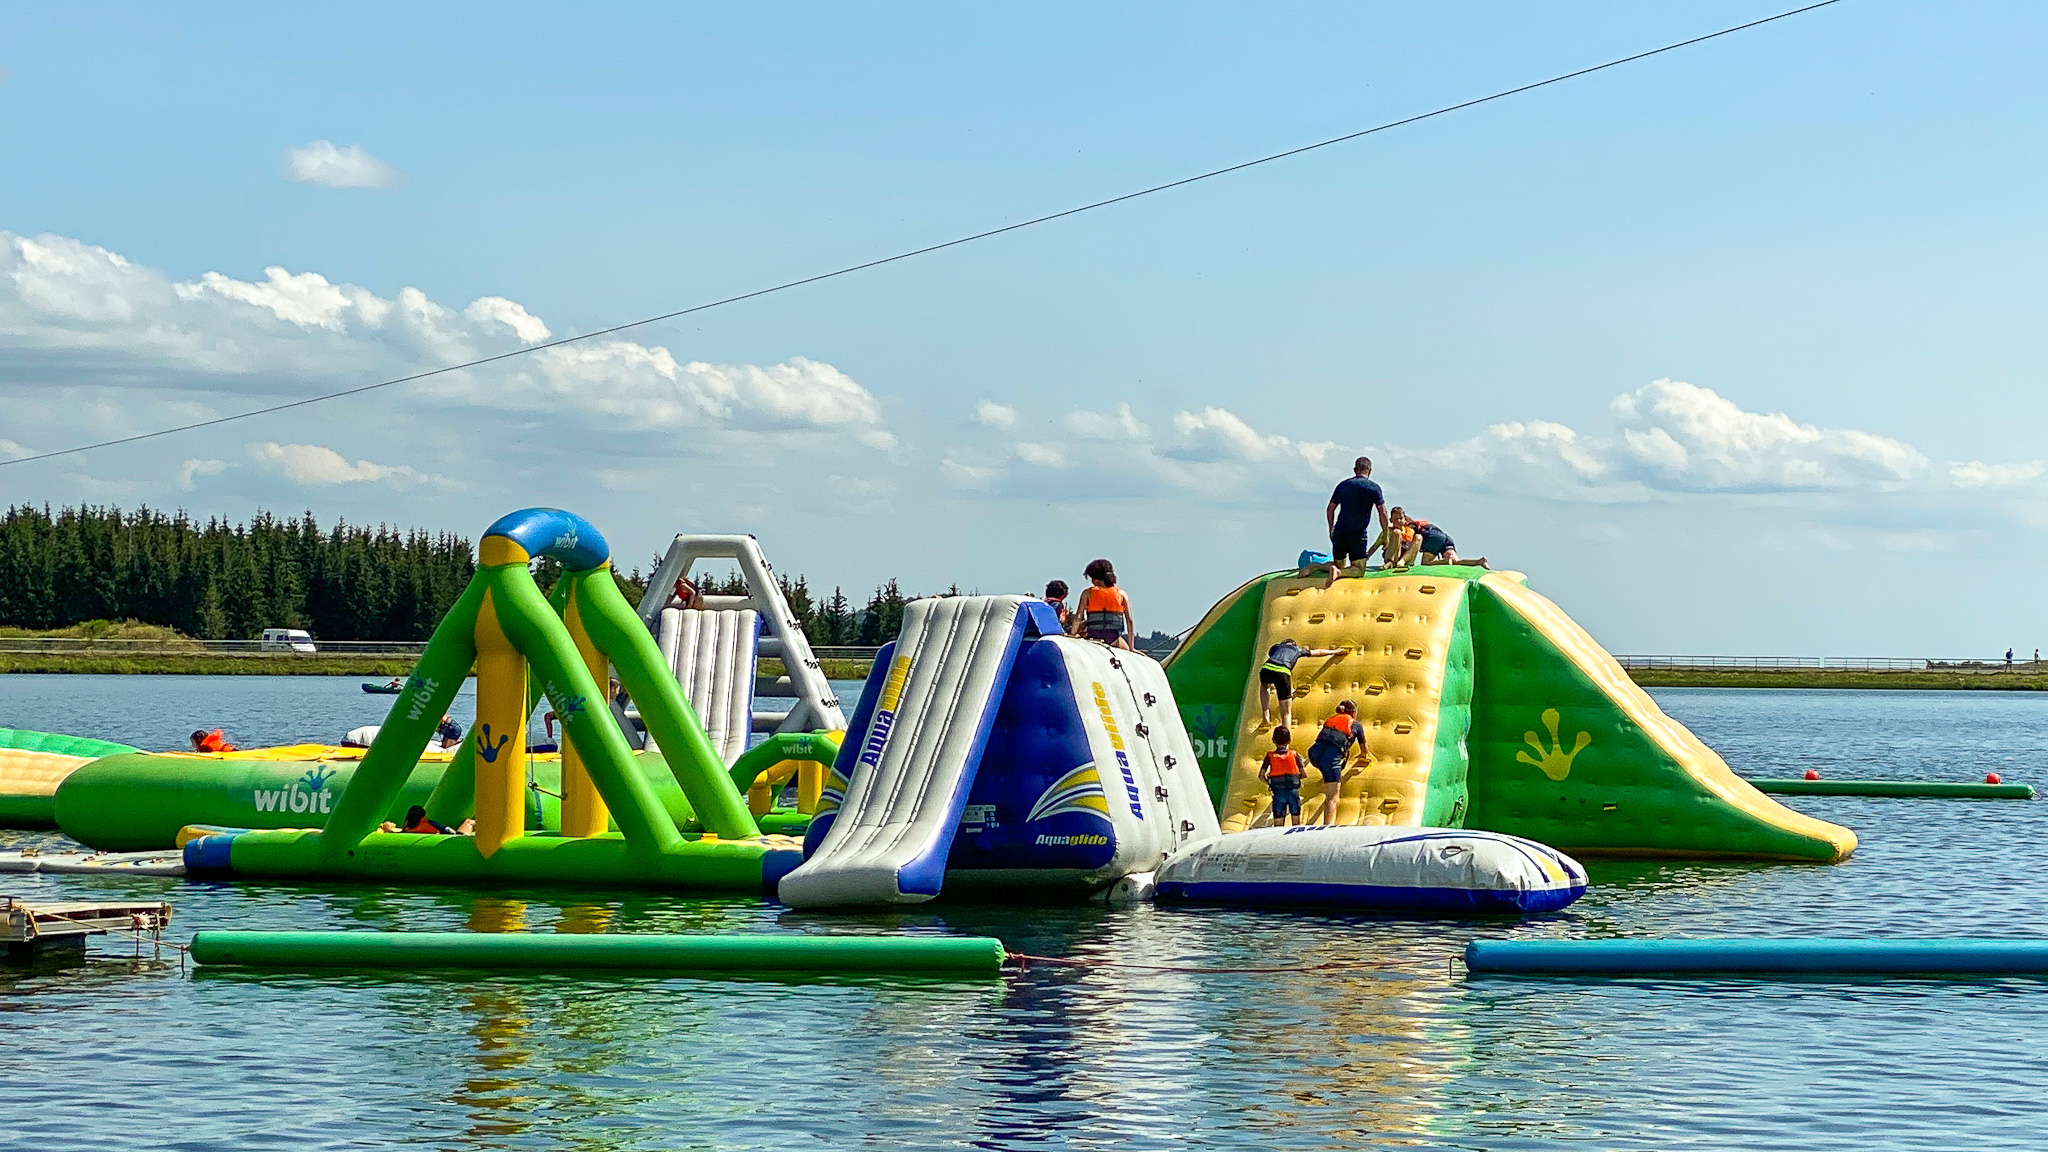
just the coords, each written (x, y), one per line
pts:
(927, 249)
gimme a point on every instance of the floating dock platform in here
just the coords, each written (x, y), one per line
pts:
(28, 930)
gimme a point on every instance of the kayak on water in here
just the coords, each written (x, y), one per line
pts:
(384, 689)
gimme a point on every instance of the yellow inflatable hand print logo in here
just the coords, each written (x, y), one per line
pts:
(1554, 761)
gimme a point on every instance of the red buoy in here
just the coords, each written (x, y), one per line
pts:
(1991, 778)
(1812, 775)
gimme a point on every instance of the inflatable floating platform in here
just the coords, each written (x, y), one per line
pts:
(1432, 870)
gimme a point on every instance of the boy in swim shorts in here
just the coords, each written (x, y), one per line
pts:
(1281, 770)
(1332, 748)
(1276, 676)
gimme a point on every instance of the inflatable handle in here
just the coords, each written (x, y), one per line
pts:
(550, 532)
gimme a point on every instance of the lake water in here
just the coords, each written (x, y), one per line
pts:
(121, 1054)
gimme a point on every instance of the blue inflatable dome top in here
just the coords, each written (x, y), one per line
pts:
(558, 535)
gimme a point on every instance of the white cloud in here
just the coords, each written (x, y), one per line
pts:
(324, 163)
(77, 315)
(974, 477)
(318, 467)
(1219, 434)
(1001, 417)
(190, 471)
(1043, 455)
(1977, 474)
(1118, 425)
(13, 451)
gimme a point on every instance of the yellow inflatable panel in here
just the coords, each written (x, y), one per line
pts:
(27, 773)
(1404, 642)
(315, 752)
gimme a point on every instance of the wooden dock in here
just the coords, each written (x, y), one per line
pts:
(30, 929)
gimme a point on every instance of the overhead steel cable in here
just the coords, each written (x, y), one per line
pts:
(927, 249)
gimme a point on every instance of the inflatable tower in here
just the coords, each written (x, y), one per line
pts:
(1485, 707)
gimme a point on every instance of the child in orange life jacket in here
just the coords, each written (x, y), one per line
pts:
(1281, 770)
(1103, 613)
(1332, 748)
(212, 741)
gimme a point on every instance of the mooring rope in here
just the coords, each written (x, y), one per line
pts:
(1024, 960)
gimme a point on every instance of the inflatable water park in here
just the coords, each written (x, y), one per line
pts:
(990, 754)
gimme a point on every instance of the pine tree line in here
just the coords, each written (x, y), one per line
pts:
(222, 581)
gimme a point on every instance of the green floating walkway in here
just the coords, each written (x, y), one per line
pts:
(1924, 789)
(301, 951)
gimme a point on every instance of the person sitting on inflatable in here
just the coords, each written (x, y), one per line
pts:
(1056, 595)
(214, 741)
(1431, 545)
(1104, 612)
(419, 823)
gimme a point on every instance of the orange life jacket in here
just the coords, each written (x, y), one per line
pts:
(1282, 763)
(215, 741)
(1104, 609)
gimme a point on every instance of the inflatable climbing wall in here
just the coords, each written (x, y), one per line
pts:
(1485, 707)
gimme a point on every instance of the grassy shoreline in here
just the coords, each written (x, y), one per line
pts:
(279, 664)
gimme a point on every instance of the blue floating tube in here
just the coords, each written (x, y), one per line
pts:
(1974, 956)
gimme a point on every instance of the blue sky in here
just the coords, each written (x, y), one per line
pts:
(1734, 350)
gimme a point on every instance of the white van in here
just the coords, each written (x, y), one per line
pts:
(287, 640)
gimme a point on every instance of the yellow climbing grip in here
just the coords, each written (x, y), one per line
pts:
(1395, 635)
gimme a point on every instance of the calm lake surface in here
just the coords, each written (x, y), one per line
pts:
(121, 1054)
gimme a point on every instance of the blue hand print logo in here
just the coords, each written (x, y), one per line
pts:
(487, 747)
(1207, 722)
(316, 778)
(570, 706)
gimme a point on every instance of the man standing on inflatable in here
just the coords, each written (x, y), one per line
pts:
(1350, 518)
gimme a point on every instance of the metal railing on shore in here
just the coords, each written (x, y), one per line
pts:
(1831, 663)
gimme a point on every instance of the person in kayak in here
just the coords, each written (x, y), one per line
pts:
(1332, 748)
(1276, 679)
(1104, 612)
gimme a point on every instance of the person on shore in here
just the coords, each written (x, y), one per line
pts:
(1103, 613)
(1332, 749)
(214, 741)
(1281, 770)
(1056, 596)
(1276, 679)
(1430, 545)
(1349, 518)
(449, 733)
(2008, 657)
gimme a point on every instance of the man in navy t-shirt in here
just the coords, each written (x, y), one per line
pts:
(1350, 515)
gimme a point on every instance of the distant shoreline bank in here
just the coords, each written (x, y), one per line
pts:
(385, 667)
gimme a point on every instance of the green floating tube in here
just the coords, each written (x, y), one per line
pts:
(974, 955)
(1923, 789)
(1810, 957)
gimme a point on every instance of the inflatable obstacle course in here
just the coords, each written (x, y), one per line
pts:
(989, 750)
(522, 646)
(34, 765)
(140, 800)
(1558, 744)
(1405, 660)
(713, 645)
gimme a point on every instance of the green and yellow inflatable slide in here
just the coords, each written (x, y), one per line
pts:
(1486, 707)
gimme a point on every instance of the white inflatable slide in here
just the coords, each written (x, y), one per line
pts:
(988, 750)
(714, 645)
